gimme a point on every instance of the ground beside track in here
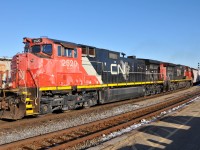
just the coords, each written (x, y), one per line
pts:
(179, 130)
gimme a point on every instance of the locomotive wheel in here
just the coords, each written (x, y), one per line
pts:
(147, 91)
(15, 112)
(88, 104)
(153, 90)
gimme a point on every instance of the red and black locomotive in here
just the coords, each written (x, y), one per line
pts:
(57, 75)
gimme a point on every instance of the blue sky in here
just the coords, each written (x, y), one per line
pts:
(167, 30)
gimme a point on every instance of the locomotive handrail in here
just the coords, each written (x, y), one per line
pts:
(24, 83)
(36, 86)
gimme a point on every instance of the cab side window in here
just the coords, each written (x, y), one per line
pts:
(67, 52)
(59, 51)
(47, 49)
(75, 53)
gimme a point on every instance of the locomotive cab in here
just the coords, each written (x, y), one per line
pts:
(34, 47)
(51, 61)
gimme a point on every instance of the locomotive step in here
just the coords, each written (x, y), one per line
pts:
(29, 106)
(29, 112)
(26, 93)
(28, 100)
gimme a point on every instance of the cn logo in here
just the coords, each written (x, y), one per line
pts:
(123, 68)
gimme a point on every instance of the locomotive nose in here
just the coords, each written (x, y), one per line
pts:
(18, 67)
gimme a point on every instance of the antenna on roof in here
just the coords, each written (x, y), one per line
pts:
(123, 54)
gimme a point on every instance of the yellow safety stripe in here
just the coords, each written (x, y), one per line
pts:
(107, 85)
(29, 106)
(180, 80)
(25, 93)
(64, 88)
(115, 84)
(55, 88)
(91, 86)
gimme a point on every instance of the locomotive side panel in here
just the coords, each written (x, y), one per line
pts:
(117, 94)
(179, 72)
(110, 68)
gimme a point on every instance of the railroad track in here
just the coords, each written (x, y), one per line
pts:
(88, 134)
(44, 118)
(27, 128)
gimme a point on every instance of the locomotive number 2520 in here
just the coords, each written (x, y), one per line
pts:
(69, 63)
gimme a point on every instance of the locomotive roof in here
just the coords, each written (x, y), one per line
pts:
(60, 41)
(82, 45)
(150, 61)
(170, 64)
(71, 44)
(65, 43)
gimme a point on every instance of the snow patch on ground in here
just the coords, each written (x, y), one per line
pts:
(145, 122)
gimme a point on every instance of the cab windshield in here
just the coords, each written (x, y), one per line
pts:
(46, 49)
(35, 49)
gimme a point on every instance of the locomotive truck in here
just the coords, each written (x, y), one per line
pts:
(58, 75)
